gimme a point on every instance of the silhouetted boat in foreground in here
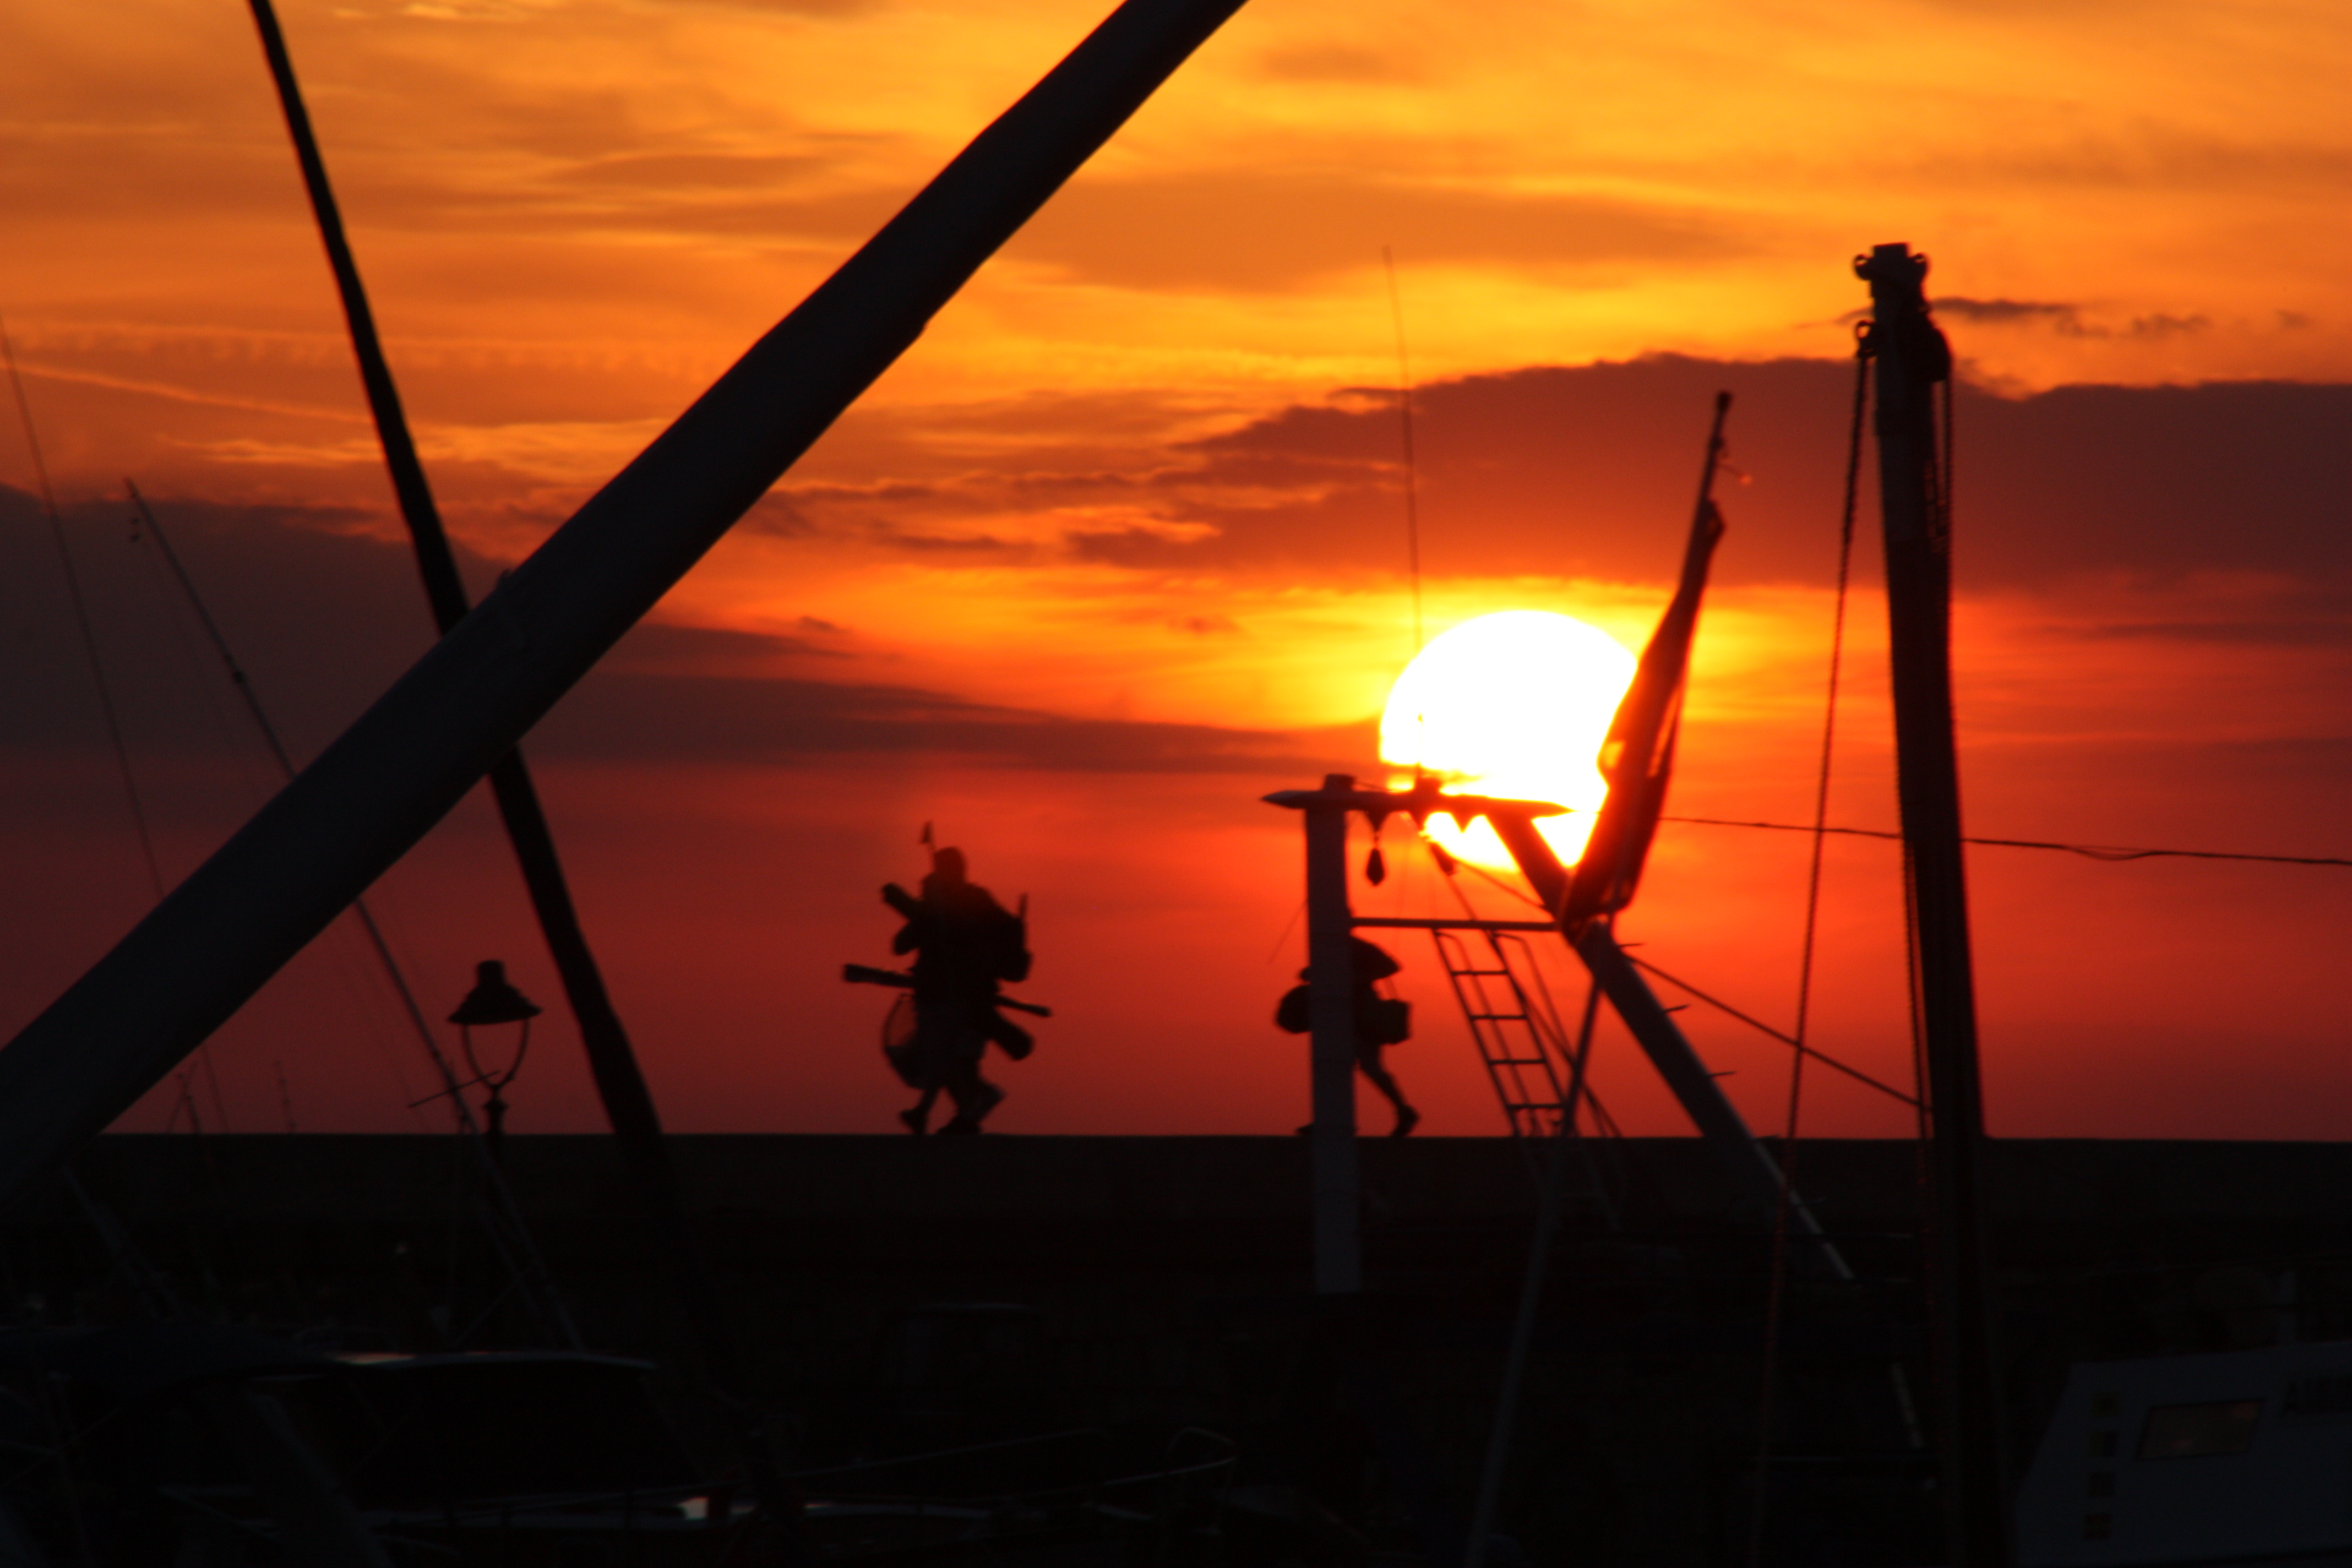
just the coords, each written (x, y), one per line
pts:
(205, 1447)
(2236, 1456)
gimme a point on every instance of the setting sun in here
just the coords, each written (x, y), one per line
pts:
(1514, 704)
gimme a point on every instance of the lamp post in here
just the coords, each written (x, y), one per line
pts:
(492, 1001)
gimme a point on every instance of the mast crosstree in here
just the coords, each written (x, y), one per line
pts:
(1637, 760)
(1913, 360)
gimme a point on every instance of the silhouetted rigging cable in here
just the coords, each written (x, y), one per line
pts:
(1476, 869)
(2089, 851)
(1825, 1059)
(517, 1250)
(81, 618)
(1762, 1027)
(2110, 852)
(1777, 1291)
(154, 531)
(1411, 475)
(106, 706)
(1287, 927)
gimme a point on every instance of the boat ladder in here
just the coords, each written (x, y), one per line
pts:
(1529, 1054)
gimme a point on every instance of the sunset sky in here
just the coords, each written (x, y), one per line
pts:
(1119, 545)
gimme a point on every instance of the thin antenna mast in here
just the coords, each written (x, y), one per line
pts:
(1412, 471)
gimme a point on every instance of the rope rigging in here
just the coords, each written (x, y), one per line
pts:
(1412, 477)
(1777, 1291)
(1719, 1004)
(82, 622)
(509, 1236)
(112, 714)
(1814, 1053)
(2109, 852)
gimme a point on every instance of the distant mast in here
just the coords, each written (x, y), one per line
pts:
(1913, 359)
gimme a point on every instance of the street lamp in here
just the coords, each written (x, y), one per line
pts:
(494, 1000)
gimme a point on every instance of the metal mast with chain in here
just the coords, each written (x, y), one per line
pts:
(1913, 360)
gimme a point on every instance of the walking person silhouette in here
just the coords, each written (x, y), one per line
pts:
(1380, 1022)
(964, 944)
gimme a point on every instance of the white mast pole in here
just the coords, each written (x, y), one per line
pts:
(1339, 1242)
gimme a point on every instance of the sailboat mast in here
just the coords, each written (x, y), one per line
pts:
(1913, 358)
(612, 1060)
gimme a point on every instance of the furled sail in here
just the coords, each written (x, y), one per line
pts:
(1637, 758)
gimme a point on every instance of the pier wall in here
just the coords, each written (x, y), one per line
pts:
(899, 1293)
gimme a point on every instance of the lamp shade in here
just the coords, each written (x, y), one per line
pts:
(493, 1000)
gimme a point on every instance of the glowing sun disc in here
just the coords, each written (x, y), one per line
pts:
(1512, 704)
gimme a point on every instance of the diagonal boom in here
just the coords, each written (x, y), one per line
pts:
(382, 786)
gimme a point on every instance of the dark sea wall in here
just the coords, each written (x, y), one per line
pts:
(899, 1293)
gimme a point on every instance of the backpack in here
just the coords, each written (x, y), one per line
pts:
(1382, 1020)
